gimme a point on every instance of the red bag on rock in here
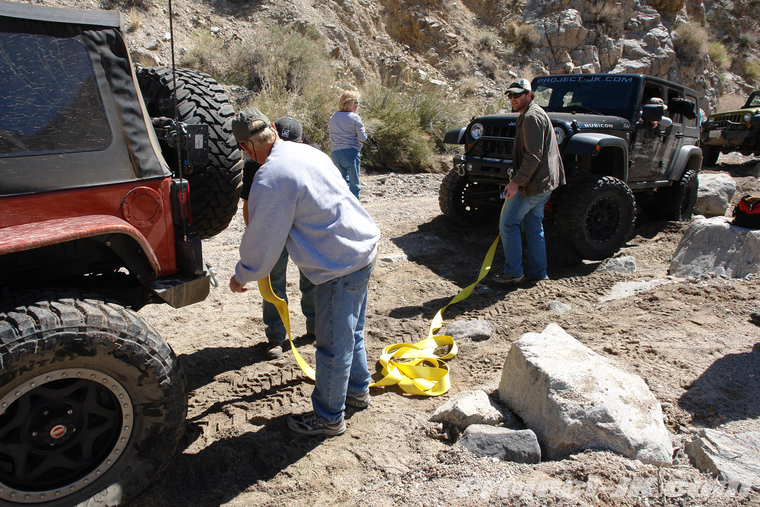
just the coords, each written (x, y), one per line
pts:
(747, 212)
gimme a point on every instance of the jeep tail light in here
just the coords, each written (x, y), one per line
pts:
(180, 202)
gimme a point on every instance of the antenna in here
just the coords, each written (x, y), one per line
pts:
(176, 114)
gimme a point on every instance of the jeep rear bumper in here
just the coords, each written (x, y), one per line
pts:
(181, 290)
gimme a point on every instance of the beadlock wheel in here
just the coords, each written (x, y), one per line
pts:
(92, 401)
(61, 431)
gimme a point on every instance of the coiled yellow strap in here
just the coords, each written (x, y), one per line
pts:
(415, 368)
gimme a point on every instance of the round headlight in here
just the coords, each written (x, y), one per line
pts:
(711, 118)
(747, 117)
(476, 131)
(559, 132)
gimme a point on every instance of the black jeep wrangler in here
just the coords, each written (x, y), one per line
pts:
(105, 193)
(614, 143)
(731, 131)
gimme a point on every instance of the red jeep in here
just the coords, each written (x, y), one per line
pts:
(97, 177)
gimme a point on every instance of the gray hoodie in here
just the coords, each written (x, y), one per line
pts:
(299, 200)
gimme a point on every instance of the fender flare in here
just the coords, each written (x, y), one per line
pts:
(689, 157)
(29, 236)
(592, 144)
(454, 136)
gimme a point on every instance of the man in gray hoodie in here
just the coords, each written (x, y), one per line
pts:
(299, 200)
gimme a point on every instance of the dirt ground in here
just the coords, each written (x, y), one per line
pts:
(692, 341)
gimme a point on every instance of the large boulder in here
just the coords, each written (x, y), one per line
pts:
(712, 246)
(715, 193)
(575, 399)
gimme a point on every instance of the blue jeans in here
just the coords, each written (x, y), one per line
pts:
(341, 361)
(275, 330)
(349, 162)
(526, 214)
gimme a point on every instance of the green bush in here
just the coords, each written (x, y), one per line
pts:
(288, 61)
(295, 77)
(719, 54)
(407, 126)
(751, 71)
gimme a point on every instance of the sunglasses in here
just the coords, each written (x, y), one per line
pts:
(511, 95)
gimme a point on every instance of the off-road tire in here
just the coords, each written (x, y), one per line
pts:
(595, 215)
(677, 202)
(215, 189)
(709, 156)
(93, 401)
(467, 203)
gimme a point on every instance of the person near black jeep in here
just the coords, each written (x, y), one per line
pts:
(538, 171)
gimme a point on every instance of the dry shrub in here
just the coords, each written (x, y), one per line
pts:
(459, 65)
(608, 15)
(524, 37)
(135, 19)
(468, 86)
(488, 64)
(690, 42)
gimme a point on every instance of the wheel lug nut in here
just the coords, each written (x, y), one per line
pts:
(34, 433)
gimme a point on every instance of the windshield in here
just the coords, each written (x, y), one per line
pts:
(754, 100)
(606, 95)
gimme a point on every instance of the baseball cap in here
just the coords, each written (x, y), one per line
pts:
(519, 86)
(289, 129)
(658, 101)
(243, 122)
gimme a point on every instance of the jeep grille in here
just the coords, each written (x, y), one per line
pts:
(497, 142)
(721, 120)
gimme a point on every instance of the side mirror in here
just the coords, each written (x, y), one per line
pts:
(652, 112)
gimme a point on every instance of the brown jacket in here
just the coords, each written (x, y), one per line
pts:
(538, 164)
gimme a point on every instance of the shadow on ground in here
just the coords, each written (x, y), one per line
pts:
(729, 390)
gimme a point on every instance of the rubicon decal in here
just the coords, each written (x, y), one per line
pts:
(597, 126)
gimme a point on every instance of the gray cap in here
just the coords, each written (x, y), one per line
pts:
(242, 124)
(519, 86)
(289, 129)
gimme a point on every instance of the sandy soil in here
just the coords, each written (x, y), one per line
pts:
(692, 342)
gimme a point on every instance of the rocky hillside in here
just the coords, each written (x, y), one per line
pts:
(477, 45)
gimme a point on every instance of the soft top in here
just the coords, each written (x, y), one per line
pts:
(106, 19)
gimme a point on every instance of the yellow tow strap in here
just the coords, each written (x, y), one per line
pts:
(415, 368)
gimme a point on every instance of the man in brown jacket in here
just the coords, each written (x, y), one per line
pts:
(538, 171)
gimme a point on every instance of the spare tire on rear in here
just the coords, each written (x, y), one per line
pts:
(215, 189)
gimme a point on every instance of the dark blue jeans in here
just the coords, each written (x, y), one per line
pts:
(341, 361)
(349, 163)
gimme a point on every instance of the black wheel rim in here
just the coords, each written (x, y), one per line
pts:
(60, 432)
(602, 220)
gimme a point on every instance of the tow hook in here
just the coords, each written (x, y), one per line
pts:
(212, 272)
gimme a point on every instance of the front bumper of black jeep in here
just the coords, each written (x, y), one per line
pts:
(484, 169)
